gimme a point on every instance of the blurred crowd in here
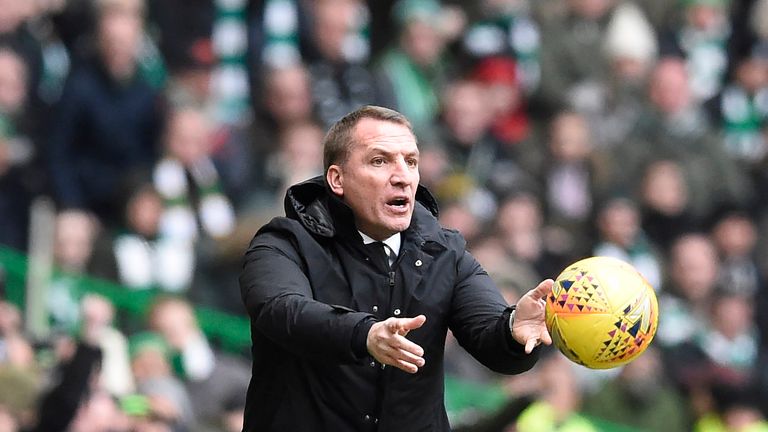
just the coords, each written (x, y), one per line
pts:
(166, 132)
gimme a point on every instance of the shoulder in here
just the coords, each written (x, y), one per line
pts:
(454, 240)
(279, 231)
(428, 228)
(278, 238)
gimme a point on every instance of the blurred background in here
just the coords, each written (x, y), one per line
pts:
(143, 142)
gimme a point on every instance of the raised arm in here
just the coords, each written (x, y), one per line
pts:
(480, 321)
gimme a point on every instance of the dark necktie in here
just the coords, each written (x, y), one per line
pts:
(389, 253)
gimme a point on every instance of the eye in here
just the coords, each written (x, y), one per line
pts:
(378, 161)
(412, 162)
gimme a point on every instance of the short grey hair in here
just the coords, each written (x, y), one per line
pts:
(338, 142)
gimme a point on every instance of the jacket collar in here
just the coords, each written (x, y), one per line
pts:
(322, 213)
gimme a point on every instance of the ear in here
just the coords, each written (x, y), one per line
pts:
(335, 179)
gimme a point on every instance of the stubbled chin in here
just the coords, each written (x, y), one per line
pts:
(401, 222)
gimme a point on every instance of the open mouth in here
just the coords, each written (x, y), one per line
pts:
(399, 203)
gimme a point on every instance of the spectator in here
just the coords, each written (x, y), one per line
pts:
(702, 40)
(674, 127)
(558, 401)
(434, 165)
(520, 226)
(287, 96)
(465, 137)
(188, 181)
(185, 29)
(96, 324)
(664, 205)
(568, 76)
(99, 412)
(459, 216)
(511, 275)
(631, 50)
(75, 235)
(17, 151)
(464, 126)
(684, 313)
(15, 349)
(416, 67)
(735, 236)
(20, 379)
(725, 355)
(511, 125)
(340, 80)
(166, 395)
(573, 177)
(730, 340)
(621, 236)
(15, 123)
(642, 397)
(298, 157)
(286, 100)
(144, 257)
(211, 378)
(107, 123)
(743, 110)
(16, 33)
(191, 75)
(735, 408)
(685, 304)
(507, 29)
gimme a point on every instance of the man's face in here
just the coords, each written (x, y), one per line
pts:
(670, 87)
(379, 178)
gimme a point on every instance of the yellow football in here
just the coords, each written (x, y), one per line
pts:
(601, 313)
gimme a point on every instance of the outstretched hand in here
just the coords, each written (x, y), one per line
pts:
(387, 343)
(529, 327)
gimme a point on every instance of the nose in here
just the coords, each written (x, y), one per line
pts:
(401, 174)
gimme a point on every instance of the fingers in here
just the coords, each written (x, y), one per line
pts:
(533, 342)
(388, 344)
(408, 360)
(541, 291)
(405, 366)
(405, 345)
(546, 338)
(404, 325)
(530, 344)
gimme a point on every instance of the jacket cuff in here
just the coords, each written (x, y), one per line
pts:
(360, 337)
(513, 345)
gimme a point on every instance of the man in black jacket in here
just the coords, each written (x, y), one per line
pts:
(359, 263)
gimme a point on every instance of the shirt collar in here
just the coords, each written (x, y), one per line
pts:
(393, 242)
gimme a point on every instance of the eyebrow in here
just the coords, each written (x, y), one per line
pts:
(385, 150)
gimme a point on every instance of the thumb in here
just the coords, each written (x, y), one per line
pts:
(542, 290)
(408, 324)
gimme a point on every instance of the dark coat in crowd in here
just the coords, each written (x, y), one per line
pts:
(313, 290)
(59, 405)
(103, 131)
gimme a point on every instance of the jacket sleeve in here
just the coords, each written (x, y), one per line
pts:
(58, 407)
(480, 321)
(279, 300)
